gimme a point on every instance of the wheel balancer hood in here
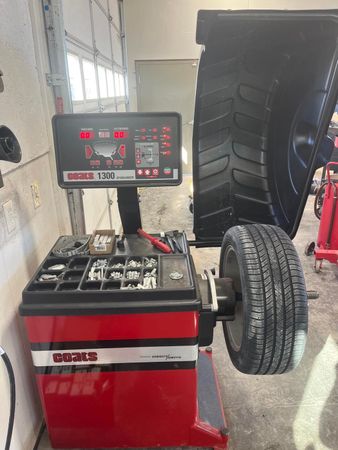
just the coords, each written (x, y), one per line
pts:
(266, 90)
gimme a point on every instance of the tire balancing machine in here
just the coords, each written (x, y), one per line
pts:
(119, 361)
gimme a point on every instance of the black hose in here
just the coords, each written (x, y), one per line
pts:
(11, 377)
(40, 434)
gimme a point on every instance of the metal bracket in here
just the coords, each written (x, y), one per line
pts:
(55, 79)
(212, 290)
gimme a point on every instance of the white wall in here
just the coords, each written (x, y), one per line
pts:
(25, 106)
(165, 29)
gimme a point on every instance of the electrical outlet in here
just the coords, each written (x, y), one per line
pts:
(35, 188)
(10, 216)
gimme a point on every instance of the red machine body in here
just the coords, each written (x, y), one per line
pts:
(327, 240)
(138, 406)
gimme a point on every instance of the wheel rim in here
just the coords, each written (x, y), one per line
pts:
(235, 327)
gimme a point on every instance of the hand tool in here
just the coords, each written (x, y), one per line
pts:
(171, 237)
(167, 240)
(156, 242)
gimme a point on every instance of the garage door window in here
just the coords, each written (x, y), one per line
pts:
(89, 79)
(117, 84)
(102, 82)
(122, 87)
(110, 83)
(75, 80)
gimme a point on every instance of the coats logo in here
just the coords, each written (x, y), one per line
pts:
(80, 176)
(75, 357)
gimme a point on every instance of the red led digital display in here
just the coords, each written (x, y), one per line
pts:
(87, 135)
(120, 134)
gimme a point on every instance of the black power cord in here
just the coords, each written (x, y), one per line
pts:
(11, 377)
(40, 434)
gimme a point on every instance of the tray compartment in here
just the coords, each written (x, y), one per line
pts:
(67, 286)
(79, 263)
(110, 271)
(52, 261)
(150, 262)
(134, 262)
(91, 285)
(42, 286)
(73, 275)
(56, 273)
(117, 262)
(111, 285)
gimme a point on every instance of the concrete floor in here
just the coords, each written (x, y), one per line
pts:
(283, 412)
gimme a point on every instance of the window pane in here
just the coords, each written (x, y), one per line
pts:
(110, 82)
(89, 79)
(117, 84)
(102, 82)
(75, 80)
(122, 87)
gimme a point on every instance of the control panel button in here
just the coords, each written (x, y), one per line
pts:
(122, 151)
(147, 172)
(155, 172)
(140, 172)
(89, 151)
(167, 171)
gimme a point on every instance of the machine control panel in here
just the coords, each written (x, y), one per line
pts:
(118, 149)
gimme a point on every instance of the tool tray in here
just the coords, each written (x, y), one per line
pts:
(73, 286)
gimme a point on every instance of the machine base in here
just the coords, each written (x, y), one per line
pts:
(210, 429)
(330, 255)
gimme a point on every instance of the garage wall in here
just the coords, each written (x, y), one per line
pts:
(165, 29)
(93, 40)
(26, 106)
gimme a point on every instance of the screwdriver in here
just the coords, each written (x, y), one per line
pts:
(156, 242)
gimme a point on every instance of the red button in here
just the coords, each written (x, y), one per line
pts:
(122, 151)
(89, 151)
(155, 172)
(147, 172)
(138, 161)
(140, 172)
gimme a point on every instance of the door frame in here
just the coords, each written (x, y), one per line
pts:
(139, 62)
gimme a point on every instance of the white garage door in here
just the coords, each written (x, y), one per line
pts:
(96, 69)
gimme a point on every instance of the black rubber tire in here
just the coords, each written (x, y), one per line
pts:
(319, 200)
(310, 248)
(272, 312)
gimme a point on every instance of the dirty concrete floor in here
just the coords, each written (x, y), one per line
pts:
(296, 411)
